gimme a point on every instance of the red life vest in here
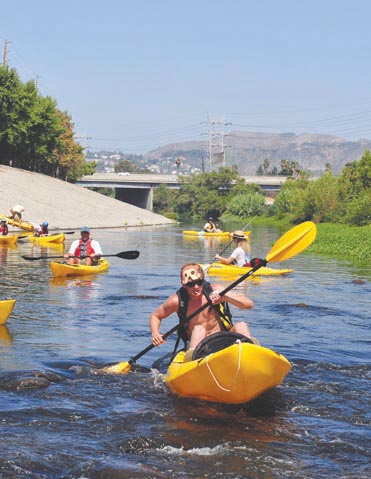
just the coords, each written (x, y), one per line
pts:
(4, 229)
(85, 248)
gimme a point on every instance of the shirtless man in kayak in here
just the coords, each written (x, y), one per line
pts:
(210, 320)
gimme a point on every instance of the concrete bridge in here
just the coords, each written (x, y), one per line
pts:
(137, 189)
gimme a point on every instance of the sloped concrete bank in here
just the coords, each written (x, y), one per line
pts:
(67, 206)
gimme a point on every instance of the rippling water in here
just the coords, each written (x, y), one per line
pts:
(60, 418)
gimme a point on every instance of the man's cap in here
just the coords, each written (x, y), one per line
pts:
(85, 229)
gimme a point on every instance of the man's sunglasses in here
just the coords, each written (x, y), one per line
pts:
(192, 284)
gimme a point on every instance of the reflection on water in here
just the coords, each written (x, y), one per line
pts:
(5, 337)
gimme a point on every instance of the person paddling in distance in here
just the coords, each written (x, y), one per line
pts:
(4, 230)
(42, 230)
(240, 256)
(193, 294)
(211, 227)
(84, 250)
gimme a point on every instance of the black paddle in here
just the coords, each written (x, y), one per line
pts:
(123, 255)
(290, 244)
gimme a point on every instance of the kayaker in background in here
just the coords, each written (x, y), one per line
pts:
(84, 250)
(42, 230)
(240, 256)
(4, 230)
(193, 294)
(211, 227)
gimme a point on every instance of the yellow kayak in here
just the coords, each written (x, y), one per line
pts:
(24, 225)
(63, 270)
(45, 240)
(236, 374)
(6, 308)
(202, 234)
(219, 269)
(8, 240)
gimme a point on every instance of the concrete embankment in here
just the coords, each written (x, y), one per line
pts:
(67, 206)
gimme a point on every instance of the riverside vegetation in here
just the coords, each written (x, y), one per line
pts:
(340, 205)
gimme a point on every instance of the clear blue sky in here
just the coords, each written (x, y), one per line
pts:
(137, 74)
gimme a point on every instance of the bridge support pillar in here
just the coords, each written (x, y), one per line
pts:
(141, 197)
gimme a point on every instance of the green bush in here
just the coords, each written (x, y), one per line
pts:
(243, 206)
(359, 210)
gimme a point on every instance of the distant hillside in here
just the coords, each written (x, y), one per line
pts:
(248, 151)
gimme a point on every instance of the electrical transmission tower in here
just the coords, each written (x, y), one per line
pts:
(216, 147)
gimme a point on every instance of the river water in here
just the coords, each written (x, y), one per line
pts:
(61, 418)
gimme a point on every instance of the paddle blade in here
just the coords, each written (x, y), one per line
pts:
(293, 242)
(119, 368)
(127, 254)
(31, 258)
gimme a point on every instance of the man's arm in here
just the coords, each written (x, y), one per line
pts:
(97, 249)
(167, 308)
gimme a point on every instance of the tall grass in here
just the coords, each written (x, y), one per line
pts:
(335, 240)
(343, 241)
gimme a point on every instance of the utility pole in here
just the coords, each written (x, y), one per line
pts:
(5, 51)
(210, 148)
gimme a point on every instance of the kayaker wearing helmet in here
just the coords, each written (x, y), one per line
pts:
(240, 256)
(193, 294)
(42, 230)
(211, 227)
(4, 230)
(84, 250)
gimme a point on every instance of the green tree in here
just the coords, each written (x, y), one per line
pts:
(355, 186)
(163, 199)
(34, 134)
(16, 102)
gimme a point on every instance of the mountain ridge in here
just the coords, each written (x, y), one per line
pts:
(248, 150)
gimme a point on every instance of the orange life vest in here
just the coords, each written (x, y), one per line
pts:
(84, 248)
